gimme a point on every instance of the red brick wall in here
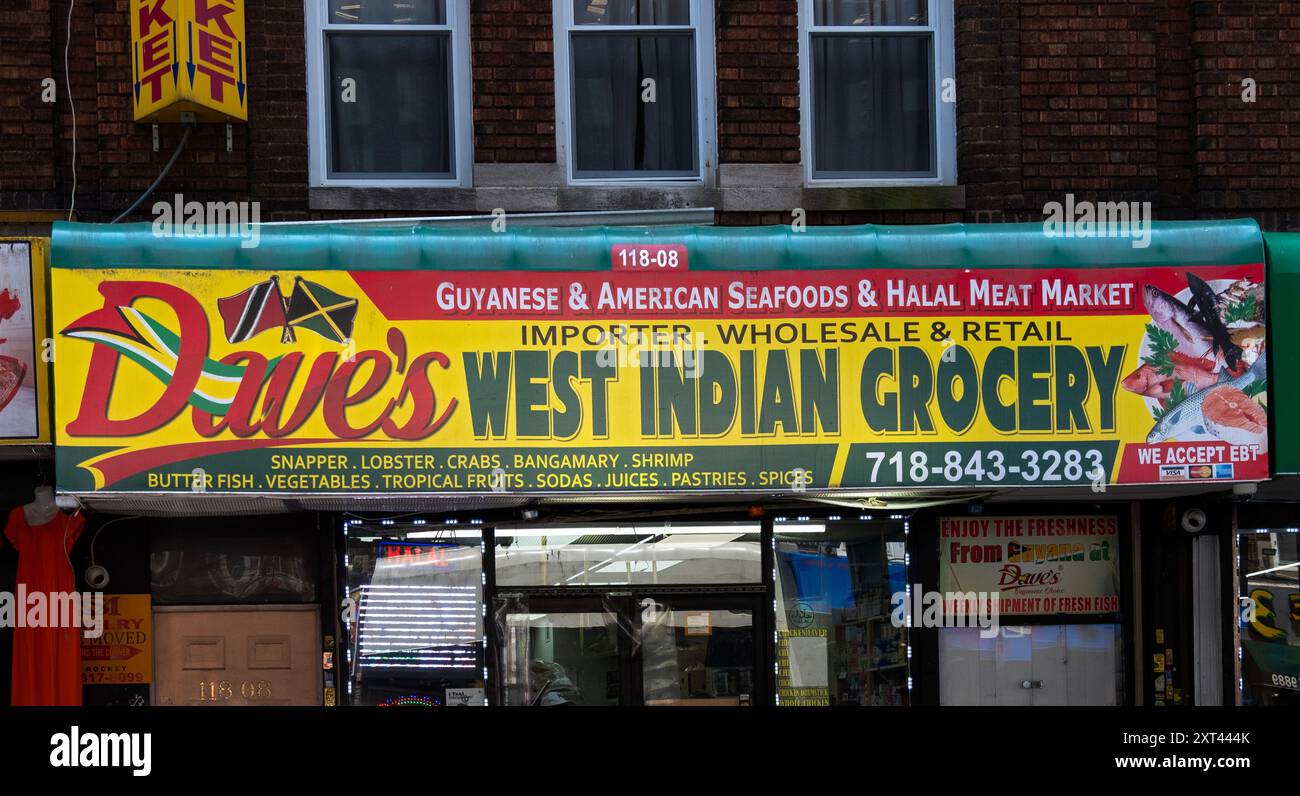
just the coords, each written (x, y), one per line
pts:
(1088, 100)
(27, 167)
(276, 162)
(1114, 99)
(757, 63)
(511, 43)
(987, 50)
(1247, 155)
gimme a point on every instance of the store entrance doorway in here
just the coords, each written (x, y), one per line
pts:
(1031, 665)
(249, 655)
(632, 648)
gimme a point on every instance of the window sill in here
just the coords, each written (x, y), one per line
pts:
(769, 198)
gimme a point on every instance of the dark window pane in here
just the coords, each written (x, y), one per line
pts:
(400, 123)
(870, 12)
(631, 12)
(206, 563)
(614, 129)
(872, 104)
(388, 12)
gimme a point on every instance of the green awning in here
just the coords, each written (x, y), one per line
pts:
(1284, 346)
(351, 247)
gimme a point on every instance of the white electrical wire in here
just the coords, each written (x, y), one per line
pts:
(68, 83)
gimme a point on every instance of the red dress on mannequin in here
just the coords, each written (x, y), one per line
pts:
(47, 660)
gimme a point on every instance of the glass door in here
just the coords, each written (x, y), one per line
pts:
(698, 650)
(629, 649)
(563, 652)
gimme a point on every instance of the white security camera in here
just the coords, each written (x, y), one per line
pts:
(96, 577)
(1194, 520)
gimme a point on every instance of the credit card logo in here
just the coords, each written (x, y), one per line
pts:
(1173, 472)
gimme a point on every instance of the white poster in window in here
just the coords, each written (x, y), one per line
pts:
(472, 697)
(20, 376)
(1036, 565)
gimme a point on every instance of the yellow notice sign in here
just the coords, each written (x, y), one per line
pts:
(188, 56)
(123, 653)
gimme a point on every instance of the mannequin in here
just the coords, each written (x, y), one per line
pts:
(42, 509)
(46, 659)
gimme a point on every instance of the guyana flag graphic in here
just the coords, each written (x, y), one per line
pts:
(154, 347)
(315, 307)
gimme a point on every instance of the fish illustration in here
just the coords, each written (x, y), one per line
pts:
(1147, 381)
(1206, 304)
(1241, 290)
(1188, 416)
(1233, 416)
(1195, 374)
(1195, 338)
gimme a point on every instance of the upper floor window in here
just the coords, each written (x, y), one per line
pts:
(877, 108)
(634, 83)
(389, 97)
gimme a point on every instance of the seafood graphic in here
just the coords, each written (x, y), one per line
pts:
(1203, 370)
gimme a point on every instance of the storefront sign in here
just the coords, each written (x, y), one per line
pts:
(24, 347)
(188, 56)
(123, 654)
(1036, 565)
(423, 381)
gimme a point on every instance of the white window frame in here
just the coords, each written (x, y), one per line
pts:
(705, 93)
(940, 15)
(318, 107)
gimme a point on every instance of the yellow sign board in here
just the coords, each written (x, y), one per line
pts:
(123, 653)
(424, 381)
(188, 56)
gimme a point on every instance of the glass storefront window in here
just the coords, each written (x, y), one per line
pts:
(836, 641)
(415, 630)
(658, 554)
(1270, 616)
(557, 658)
(698, 657)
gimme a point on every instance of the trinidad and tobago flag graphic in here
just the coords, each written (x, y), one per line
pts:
(256, 310)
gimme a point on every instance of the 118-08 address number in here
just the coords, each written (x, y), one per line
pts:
(1069, 466)
(223, 690)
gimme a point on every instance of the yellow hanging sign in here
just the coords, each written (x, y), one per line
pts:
(188, 56)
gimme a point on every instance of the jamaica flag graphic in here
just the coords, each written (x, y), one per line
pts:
(315, 307)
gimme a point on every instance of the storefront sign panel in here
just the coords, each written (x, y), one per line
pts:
(422, 381)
